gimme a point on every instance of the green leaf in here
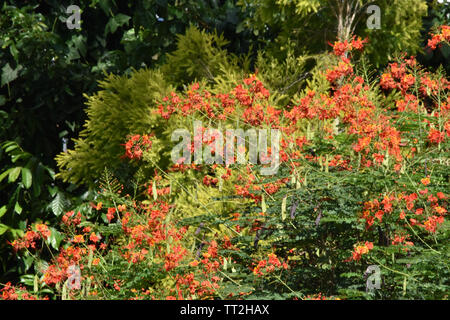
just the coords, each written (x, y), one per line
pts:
(263, 204)
(27, 177)
(27, 279)
(8, 74)
(38, 179)
(350, 275)
(73, 54)
(80, 43)
(445, 49)
(115, 22)
(58, 204)
(121, 19)
(154, 191)
(55, 238)
(27, 263)
(17, 208)
(5, 173)
(14, 174)
(14, 52)
(10, 145)
(3, 228)
(64, 295)
(3, 211)
(240, 27)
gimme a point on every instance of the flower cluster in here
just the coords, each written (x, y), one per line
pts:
(340, 48)
(248, 101)
(375, 210)
(361, 249)
(10, 292)
(269, 265)
(439, 38)
(136, 145)
(41, 231)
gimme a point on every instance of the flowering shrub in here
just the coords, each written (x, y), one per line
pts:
(135, 147)
(356, 187)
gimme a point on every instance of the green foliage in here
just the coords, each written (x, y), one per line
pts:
(198, 55)
(24, 182)
(310, 25)
(289, 235)
(400, 30)
(25, 179)
(39, 81)
(285, 77)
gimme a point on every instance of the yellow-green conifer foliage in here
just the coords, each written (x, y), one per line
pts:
(122, 107)
(199, 55)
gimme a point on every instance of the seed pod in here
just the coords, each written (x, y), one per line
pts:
(36, 284)
(263, 204)
(154, 191)
(64, 291)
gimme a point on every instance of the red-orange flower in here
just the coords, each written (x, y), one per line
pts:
(360, 250)
(110, 214)
(425, 181)
(93, 237)
(43, 230)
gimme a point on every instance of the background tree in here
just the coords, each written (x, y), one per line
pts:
(312, 24)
